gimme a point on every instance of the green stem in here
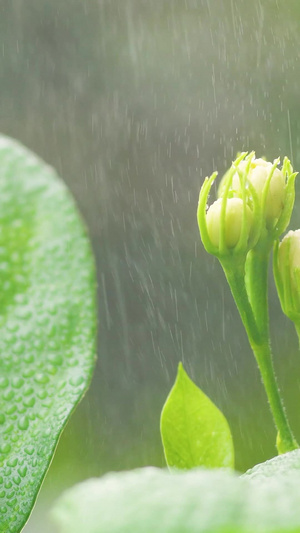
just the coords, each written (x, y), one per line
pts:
(286, 442)
(257, 285)
(236, 280)
(248, 283)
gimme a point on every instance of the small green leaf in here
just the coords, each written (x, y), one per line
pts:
(196, 501)
(194, 432)
(47, 323)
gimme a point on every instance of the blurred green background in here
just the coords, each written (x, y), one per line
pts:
(134, 102)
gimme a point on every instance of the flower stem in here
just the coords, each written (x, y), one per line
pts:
(235, 275)
(286, 442)
(256, 279)
(248, 283)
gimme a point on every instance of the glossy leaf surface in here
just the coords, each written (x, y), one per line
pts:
(47, 323)
(193, 430)
(197, 501)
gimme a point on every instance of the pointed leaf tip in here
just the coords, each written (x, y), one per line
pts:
(194, 432)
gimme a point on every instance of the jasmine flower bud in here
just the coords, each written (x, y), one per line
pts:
(233, 221)
(255, 204)
(289, 254)
(269, 183)
(287, 273)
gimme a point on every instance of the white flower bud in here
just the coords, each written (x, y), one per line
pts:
(233, 221)
(289, 257)
(258, 175)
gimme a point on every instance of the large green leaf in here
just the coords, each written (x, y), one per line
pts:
(193, 430)
(47, 323)
(282, 465)
(196, 501)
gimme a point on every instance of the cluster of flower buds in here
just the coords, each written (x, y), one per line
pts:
(254, 206)
(255, 203)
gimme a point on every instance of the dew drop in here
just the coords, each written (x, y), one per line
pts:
(13, 501)
(51, 369)
(29, 402)
(38, 344)
(17, 382)
(41, 378)
(56, 359)
(22, 471)
(12, 462)
(28, 373)
(27, 391)
(23, 422)
(28, 358)
(3, 382)
(47, 403)
(11, 409)
(42, 394)
(8, 395)
(29, 450)
(5, 448)
(76, 381)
